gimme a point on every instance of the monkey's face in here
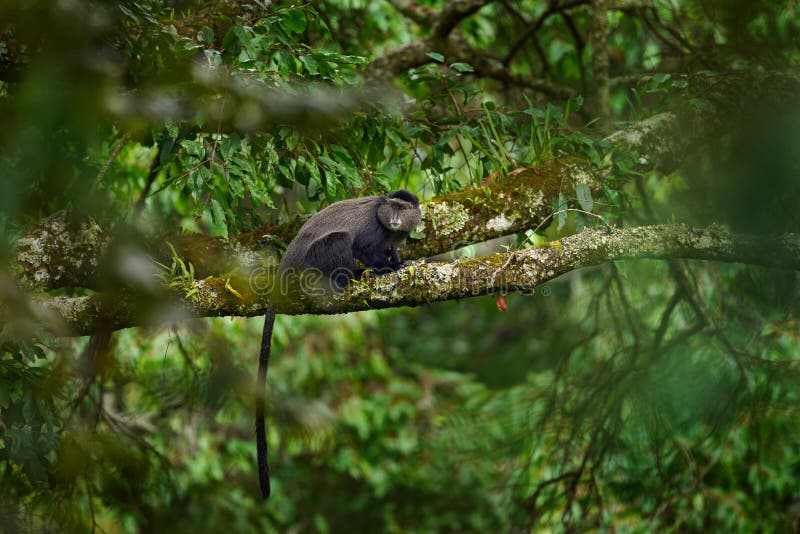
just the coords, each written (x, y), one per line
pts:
(400, 216)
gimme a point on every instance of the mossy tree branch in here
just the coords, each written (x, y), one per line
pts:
(423, 283)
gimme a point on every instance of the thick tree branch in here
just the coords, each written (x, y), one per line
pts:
(58, 254)
(663, 141)
(423, 283)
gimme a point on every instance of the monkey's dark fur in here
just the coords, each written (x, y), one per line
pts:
(366, 229)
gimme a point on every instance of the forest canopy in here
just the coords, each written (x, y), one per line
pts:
(596, 326)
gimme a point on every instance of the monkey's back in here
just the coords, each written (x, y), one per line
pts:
(331, 234)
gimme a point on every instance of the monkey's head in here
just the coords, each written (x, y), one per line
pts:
(400, 212)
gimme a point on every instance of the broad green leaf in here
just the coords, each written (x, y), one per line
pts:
(584, 195)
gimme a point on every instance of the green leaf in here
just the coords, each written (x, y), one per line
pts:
(173, 128)
(584, 197)
(331, 184)
(294, 20)
(462, 67)
(193, 148)
(229, 145)
(218, 215)
(658, 80)
(236, 187)
(314, 173)
(328, 162)
(128, 13)
(206, 35)
(335, 57)
(310, 64)
(436, 56)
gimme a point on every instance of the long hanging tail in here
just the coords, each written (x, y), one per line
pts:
(261, 429)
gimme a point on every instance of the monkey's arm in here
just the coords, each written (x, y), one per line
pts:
(377, 259)
(394, 258)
